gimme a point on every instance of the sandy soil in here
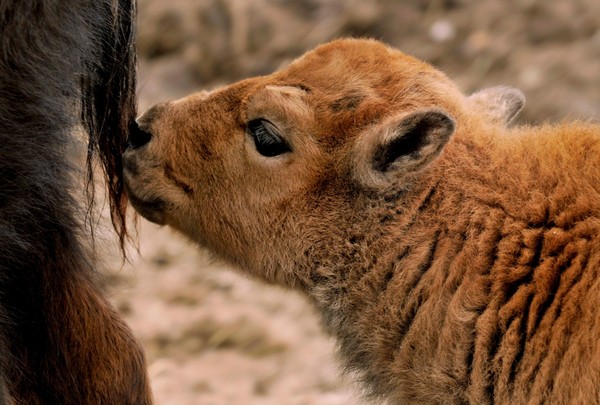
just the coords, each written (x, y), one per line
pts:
(214, 337)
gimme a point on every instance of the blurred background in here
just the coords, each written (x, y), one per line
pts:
(211, 335)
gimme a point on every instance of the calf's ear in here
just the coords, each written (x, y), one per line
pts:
(501, 104)
(401, 146)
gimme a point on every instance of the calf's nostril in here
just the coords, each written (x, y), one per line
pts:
(137, 136)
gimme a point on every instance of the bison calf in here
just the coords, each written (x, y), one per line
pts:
(454, 259)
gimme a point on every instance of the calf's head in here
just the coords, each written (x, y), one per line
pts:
(262, 169)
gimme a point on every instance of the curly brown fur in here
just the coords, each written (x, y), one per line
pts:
(62, 64)
(454, 259)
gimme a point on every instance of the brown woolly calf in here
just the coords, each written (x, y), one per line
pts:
(455, 260)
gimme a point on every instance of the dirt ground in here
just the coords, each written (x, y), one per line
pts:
(213, 336)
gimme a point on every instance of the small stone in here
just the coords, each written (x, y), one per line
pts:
(531, 77)
(442, 31)
(477, 42)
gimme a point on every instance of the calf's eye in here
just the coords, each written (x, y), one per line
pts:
(267, 141)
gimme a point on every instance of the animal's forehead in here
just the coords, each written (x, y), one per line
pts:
(349, 84)
(355, 83)
(348, 65)
(349, 68)
(344, 66)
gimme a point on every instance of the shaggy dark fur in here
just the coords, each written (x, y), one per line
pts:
(63, 64)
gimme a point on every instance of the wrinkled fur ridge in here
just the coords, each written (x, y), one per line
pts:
(467, 278)
(491, 299)
(61, 342)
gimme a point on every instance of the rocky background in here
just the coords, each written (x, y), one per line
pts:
(211, 335)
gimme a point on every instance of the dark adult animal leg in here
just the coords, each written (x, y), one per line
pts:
(63, 64)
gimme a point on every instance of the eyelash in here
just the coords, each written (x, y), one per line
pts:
(266, 140)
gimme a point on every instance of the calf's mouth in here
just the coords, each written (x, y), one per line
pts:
(152, 209)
